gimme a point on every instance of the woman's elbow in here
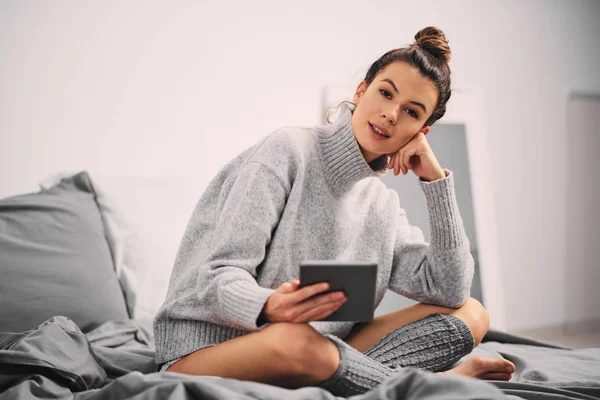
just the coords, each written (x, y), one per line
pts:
(454, 283)
(456, 292)
(456, 299)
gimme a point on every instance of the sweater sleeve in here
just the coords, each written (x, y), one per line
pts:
(251, 207)
(441, 272)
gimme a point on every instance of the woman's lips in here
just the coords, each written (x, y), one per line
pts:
(381, 129)
(376, 135)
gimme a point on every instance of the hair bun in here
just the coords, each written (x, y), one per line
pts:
(434, 41)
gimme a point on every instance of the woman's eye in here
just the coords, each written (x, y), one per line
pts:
(413, 113)
(385, 93)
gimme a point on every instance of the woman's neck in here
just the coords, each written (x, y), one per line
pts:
(367, 155)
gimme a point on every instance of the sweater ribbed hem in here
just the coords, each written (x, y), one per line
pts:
(242, 301)
(356, 374)
(178, 338)
(447, 230)
(463, 330)
(344, 162)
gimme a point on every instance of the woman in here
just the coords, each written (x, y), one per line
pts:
(234, 308)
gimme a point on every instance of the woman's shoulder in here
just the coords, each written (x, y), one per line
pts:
(288, 146)
(294, 139)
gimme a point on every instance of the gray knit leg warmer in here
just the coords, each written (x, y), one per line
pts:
(431, 343)
(356, 374)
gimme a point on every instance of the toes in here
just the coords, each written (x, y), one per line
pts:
(501, 365)
(509, 367)
(496, 376)
(487, 365)
(480, 364)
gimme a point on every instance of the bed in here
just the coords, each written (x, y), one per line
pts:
(80, 284)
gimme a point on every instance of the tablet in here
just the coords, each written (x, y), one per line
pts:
(356, 279)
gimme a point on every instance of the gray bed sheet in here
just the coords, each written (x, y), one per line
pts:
(116, 361)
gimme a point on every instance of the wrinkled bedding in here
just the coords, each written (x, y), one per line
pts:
(116, 360)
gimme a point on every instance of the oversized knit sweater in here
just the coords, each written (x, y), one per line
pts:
(304, 194)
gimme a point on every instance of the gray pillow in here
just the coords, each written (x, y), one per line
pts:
(55, 259)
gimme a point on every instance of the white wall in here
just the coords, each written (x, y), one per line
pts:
(582, 251)
(166, 88)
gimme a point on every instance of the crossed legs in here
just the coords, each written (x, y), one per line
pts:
(296, 355)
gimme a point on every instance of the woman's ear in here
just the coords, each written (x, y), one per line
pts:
(426, 130)
(360, 90)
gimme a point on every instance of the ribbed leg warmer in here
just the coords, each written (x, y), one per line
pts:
(356, 374)
(431, 343)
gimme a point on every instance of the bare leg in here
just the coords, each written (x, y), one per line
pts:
(471, 313)
(283, 354)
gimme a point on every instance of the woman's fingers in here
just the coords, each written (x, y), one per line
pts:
(393, 160)
(316, 312)
(297, 305)
(317, 301)
(401, 162)
(403, 154)
(406, 161)
(288, 287)
(326, 313)
(306, 292)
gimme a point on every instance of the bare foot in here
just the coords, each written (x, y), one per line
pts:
(484, 368)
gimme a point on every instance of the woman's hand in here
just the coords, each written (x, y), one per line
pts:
(288, 304)
(416, 155)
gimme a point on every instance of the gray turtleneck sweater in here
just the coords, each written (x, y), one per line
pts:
(304, 194)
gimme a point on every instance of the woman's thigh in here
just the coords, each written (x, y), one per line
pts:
(275, 355)
(368, 335)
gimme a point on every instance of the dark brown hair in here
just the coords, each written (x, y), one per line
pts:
(430, 54)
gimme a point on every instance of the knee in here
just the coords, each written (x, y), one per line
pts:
(476, 317)
(305, 351)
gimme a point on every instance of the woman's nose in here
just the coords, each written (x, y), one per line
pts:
(391, 115)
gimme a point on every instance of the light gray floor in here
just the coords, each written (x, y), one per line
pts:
(574, 340)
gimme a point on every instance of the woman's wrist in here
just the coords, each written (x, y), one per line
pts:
(440, 175)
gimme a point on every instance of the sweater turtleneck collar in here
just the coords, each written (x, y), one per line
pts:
(343, 159)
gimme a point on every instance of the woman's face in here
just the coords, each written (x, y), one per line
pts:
(397, 102)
